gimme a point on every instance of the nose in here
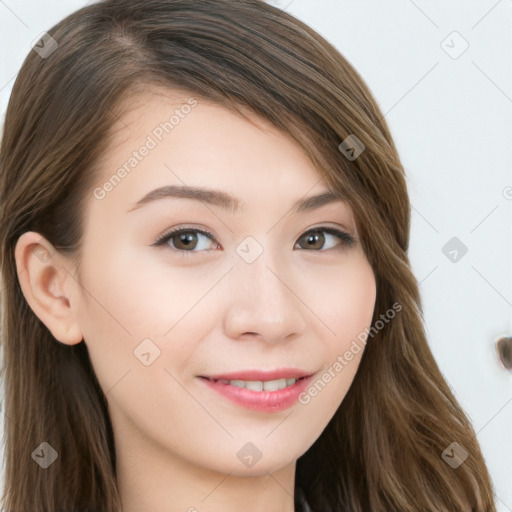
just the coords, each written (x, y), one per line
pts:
(263, 303)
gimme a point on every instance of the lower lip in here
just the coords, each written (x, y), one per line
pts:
(264, 401)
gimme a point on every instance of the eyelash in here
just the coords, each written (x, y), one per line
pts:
(346, 239)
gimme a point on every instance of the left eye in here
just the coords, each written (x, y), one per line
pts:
(185, 240)
(315, 235)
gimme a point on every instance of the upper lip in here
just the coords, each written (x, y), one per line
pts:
(261, 375)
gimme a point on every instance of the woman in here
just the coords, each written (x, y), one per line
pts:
(283, 364)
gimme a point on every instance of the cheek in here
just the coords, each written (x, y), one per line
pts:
(135, 313)
(117, 311)
(356, 303)
(343, 300)
(346, 305)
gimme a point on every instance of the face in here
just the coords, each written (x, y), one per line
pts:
(258, 288)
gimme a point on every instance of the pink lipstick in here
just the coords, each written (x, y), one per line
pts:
(265, 391)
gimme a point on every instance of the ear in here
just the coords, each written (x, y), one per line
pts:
(46, 280)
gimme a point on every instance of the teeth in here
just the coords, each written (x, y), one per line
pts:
(273, 385)
(254, 385)
(258, 385)
(283, 383)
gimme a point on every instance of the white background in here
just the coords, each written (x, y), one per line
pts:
(451, 120)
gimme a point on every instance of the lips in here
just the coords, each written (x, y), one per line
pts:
(260, 375)
(261, 391)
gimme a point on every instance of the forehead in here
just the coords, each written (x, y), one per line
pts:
(180, 137)
(161, 111)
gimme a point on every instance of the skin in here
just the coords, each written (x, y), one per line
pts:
(211, 312)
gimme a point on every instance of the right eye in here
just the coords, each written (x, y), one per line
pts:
(185, 240)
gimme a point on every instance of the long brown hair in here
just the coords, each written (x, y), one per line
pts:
(382, 450)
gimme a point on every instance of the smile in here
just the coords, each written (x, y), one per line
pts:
(259, 385)
(263, 396)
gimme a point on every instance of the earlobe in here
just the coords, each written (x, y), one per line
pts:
(46, 282)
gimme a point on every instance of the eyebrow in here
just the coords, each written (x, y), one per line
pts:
(227, 201)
